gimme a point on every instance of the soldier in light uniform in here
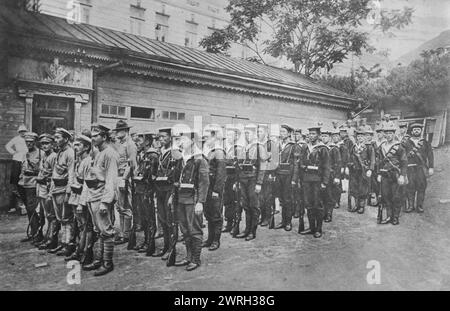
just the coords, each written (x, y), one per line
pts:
(216, 156)
(27, 184)
(299, 200)
(101, 194)
(420, 164)
(192, 195)
(169, 167)
(62, 178)
(334, 184)
(127, 150)
(78, 200)
(42, 192)
(316, 169)
(269, 166)
(287, 175)
(403, 135)
(233, 209)
(362, 158)
(251, 178)
(346, 147)
(392, 175)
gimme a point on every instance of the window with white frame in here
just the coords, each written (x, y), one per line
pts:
(114, 111)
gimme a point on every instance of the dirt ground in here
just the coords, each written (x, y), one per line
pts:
(413, 256)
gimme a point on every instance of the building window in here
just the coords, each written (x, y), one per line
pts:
(136, 26)
(142, 113)
(137, 18)
(191, 33)
(80, 11)
(113, 111)
(173, 115)
(161, 32)
(162, 26)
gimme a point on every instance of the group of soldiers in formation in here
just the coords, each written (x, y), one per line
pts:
(165, 182)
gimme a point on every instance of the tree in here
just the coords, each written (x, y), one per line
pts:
(311, 34)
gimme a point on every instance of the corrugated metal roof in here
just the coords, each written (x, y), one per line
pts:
(56, 27)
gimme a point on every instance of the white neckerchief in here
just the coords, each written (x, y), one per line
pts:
(311, 146)
(415, 141)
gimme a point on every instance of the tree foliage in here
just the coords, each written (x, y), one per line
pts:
(311, 34)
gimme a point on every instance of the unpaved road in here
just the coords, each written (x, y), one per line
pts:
(413, 256)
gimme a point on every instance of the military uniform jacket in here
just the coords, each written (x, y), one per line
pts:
(346, 149)
(335, 161)
(170, 163)
(289, 156)
(64, 170)
(273, 160)
(104, 169)
(194, 180)
(250, 166)
(217, 169)
(82, 167)
(127, 151)
(419, 153)
(45, 173)
(316, 164)
(148, 161)
(393, 159)
(362, 157)
(30, 168)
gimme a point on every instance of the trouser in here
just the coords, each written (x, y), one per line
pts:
(315, 197)
(417, 184)
(104, 227)
(229, 197)
(249, 202)
(286, 197)
(28, 196)
(16, 169)
(392, 195)
(191, 228)
(333, 195)
(359, 187)
(213, 214)
(266, 198)
(299, 200)
(164, 215)
(124, 208)
(52, 223)
(64, 215)
(85, 227)
(147, 215)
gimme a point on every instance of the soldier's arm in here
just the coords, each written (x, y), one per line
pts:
(85, 173)
(430, 155)
(70, 160)
(325, 163)
(203, 180)
(403, 161)
(111, 167)
(372, 158)
(295, 159)
(338, 162)
(221, 173)
(132, 156)
(261, 173)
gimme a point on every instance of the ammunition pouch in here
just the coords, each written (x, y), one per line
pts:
(139, 184)
(30, 173)
(284, 169)
(162, 181)
(231, 170)
(77, 189)
(186, 193)
(93, 183)
(42, 180)
(60, 182)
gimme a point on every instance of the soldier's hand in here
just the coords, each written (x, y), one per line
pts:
(234, 187)
(122, 185)
(323, 186)
(79, 209)
(337, 181)
(215, 195)
(198, 208)
(293, 183)
(401, 180)
(103, 209)
(347, 171)
(430, 171)
(369, 173)
(342, 170)
(379, 178)
(258, 188)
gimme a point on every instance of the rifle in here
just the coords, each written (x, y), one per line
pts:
(174, 223)
(380, 207)
(132, 240)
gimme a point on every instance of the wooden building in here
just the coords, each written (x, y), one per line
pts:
(54, 73)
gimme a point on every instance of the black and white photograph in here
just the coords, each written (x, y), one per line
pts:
(237, 146)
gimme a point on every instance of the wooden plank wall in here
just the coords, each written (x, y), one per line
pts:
(201, 101)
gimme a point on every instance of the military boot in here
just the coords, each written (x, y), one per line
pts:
(248, 227)
(196, 254)
(318, 230)
(235, 230)
(210, 239)
(107, 265)
(98, 257)
(216, 239)
(312, 224)
(229, 226)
